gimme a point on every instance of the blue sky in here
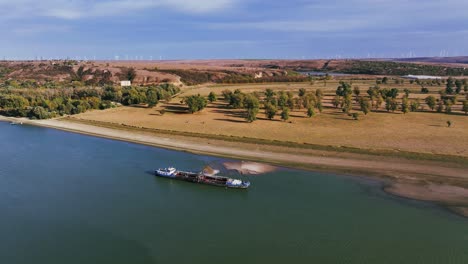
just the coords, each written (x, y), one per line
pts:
(208, 29)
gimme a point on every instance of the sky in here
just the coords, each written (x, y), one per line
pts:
(232, 29)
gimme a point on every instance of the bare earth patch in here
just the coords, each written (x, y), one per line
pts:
(456, 198)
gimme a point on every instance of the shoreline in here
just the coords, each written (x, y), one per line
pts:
(425, 180)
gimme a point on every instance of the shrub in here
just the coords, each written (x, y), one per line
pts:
(195, 103)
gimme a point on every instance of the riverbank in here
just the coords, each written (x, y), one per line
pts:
(431, 178)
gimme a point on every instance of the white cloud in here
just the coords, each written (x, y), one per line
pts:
(29, 30)
(75, 9)
(365, 16)
(325, 25)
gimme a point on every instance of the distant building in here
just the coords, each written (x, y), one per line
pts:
(125, 83)
(422, 77)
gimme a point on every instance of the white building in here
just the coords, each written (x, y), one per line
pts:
(422, 77)
(125, 83)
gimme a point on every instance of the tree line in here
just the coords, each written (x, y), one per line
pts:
(377, 96)
(274, 103)
(195, 77)
(398, 68)
(346, 97)
(49, 103)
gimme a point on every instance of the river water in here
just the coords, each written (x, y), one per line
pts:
(69, 198)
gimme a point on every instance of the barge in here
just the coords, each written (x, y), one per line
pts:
(202, 178)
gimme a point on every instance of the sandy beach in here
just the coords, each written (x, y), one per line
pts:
(404, 177)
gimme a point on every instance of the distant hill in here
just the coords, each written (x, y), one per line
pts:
(444, 60)
(100, 73)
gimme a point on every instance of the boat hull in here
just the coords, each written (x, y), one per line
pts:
(218, 181)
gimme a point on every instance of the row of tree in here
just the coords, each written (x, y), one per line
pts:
(43, 104)
(453, 86)
(270, 101)
(283, 102)
(377, 96)
(396, 68)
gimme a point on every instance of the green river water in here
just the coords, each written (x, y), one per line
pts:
(67, 198)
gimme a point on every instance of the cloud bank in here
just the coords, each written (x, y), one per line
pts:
(76, 9)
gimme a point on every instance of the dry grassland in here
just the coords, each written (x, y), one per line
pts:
(424, 132)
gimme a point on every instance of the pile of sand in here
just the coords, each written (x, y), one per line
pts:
(209, 171)
(247, 167)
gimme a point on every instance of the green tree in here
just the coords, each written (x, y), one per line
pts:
(454, 99)
(152, 97)
(227, 94)
(269, 94)
(385, 80)
(440, 106)
(94, 102)
(302, 92)
(252, 106)
(112, 93)
(309, 99)
(405, 105)
(285, 114)
(391, 104)
(414, 105)
(282, 99)
(13, 101)
(319, 94)
(270, 110)
(378, 102)
(310, 112)
(336, 101)
(407, 92)
(299, 102)
(344, 89)
(448, 106)
(449, 86)
(373, 92)
(290, 100)
(365, 105)
(237, 100)
(465, 107)
(38, 112)
(319, 106)
(356, 92)
(196, 103)
(212, 97)
(431, 102)
(393, 93)
(133, 96)
(355, 116)
(459, 85)
(347, 103)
